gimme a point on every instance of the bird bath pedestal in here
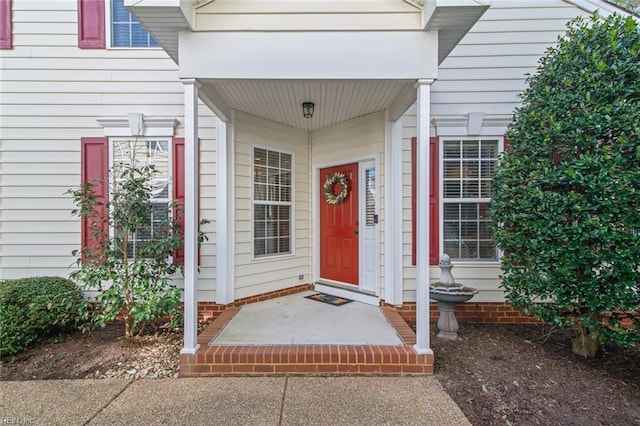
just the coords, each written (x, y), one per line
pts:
(448, 294)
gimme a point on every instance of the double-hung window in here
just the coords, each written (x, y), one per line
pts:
(468, 167)
(140, 153)
(272, 202)
(126, 31)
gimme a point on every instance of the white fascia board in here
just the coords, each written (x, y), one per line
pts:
(185, 6)
(433, 9)
(150, 126)
(490, 125)
(402, 102)
(309, 55)
(215, 101)
(605, 9)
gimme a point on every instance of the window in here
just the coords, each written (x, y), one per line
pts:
(272, 202)
(141, 153)
(370, 197)
(97, 156)
(468, 168)
(126, 31)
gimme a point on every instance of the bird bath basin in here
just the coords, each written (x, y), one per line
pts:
(448, 294)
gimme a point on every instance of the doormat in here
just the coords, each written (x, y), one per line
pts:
(326, 298)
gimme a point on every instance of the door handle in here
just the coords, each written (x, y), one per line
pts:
(356, 231)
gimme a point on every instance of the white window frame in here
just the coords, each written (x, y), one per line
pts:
(441, 198)
(254, 202)
(169, 198)
(108, 26)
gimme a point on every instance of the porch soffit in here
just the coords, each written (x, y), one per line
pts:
(351, 67)
(335, 101)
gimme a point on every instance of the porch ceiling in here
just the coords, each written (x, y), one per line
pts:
(335, 101)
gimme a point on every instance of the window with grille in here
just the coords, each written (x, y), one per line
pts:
(272, 202)
(126, 31)
(468, 168)
(141, 153)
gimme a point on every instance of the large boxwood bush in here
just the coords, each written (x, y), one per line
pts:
(35, 307)
(567, 193)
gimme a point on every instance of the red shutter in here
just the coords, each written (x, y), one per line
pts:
(506, 145)
(91, 33)
(6, 30)
(95, 169)
(178, 190)
(434, 207)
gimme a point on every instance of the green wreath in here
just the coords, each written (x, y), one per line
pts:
(330, 183)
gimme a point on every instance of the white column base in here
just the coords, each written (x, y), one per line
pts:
(190, 351)
(422, 351)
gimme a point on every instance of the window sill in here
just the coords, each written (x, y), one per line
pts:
(477, 263)
(273, 257)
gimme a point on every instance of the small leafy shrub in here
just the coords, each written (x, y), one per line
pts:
(130, 271)
(35, 307)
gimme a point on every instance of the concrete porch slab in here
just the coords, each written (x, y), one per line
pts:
(261, 358)
(296, 320)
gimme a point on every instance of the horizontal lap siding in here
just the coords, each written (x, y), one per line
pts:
(263, 275)
(234, 15)
(50, 94)
(485, 72)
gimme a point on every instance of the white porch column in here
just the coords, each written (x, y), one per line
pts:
(190, 216)
(393, 214)
(422, 345)
(224, 230)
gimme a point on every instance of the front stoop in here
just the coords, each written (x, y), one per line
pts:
(222, 360)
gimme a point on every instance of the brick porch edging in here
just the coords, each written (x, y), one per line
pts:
(484, 312)
(223, 360)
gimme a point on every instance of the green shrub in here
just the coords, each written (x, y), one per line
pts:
(567, 193)
(35, 307)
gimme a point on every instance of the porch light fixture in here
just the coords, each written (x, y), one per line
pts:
(307, 109)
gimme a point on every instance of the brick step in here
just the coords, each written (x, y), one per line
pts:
(219, 360)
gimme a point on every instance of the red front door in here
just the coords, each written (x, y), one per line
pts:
(339, 227)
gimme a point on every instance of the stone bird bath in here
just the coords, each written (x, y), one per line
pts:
(448, 294)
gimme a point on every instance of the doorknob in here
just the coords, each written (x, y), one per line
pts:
(356, 231)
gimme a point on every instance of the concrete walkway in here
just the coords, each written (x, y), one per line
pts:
(231, 401)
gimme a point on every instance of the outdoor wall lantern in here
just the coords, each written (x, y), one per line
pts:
(307, 109)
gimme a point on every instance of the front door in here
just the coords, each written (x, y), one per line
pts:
(339, 224)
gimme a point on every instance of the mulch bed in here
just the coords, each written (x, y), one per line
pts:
(527, 375)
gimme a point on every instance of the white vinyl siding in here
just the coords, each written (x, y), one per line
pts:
(270, 273)
(265, 15)
(486, 71)
(51, 93)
